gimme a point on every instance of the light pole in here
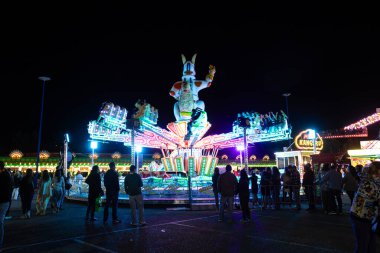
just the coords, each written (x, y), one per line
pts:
(138, 150)
(286, 95)
(313, 136)
(240, 148)
(44, 79)
(94, 145)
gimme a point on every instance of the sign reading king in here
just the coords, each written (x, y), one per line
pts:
(304, 140)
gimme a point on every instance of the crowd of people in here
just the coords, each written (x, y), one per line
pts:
(51, 189)
(361, 184)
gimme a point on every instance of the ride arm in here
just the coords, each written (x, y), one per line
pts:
(201, 84)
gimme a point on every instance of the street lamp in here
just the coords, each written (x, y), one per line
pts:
(94, 145)
(138, 150)
(313, 136)
(240, 148)
(44, 79)
(286, 95)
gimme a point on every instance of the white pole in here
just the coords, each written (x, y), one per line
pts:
(241, 161)
(65, 145)
(92, 160)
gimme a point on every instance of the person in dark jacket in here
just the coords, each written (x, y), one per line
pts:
(296, 185)
(276, 187)
(111, 182)
(308, 184)
(227, 187)
(27, 193)
(265, 187)
(6, 189)
(215, 178)
(254, 188)
(243, 189)
(133, 184)
(350, 185)
(94, 191)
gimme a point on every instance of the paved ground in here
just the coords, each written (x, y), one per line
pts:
(180, 231)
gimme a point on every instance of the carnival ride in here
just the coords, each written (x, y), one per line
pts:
(354, 130)
(184, 148)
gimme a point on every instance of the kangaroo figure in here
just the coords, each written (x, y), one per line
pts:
(186, 91)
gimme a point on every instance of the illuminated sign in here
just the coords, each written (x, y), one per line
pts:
(304, 141)
(203, 164)
(168, 163)
(178, 161)
(214, 162)
(192, 165)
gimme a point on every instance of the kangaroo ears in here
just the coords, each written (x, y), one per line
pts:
(193, 59)
(183, 58)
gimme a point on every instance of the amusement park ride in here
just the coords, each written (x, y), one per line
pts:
(183, 145)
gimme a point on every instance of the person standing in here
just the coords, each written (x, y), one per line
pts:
(325, 168)
(44, 193)
(132, 185)
(365, 209)
(78, 180)
(350, 185)
(94, 191)
(265, 187)
(111, 182)
(215, 178)
(7, 216)
(243, 189)
(286, 186)
(308, 184)
(254, 189)
(58, 187)
(227, 186)
(296, 185)
(334, 183)
(27, 193)
(6, 189)
(276, 187)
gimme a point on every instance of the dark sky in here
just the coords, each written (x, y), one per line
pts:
(327, 57)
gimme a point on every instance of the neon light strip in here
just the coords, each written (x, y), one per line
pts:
(364, 152)
(364, 122)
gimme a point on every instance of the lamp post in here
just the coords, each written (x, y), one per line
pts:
(313, 136)
(286, 95)
(94, 145)
(240, 148)
(138, 150)
(44, 79)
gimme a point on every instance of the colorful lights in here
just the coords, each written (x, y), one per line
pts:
(44, 155)
(116, 155)
(304, 142)
(16, 154)
(364, 122)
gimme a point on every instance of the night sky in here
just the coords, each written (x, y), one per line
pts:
(326, 57)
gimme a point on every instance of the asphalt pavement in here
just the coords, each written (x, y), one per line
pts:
(285, 230)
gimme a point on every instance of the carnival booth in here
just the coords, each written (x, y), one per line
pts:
(369, 151)
(307, 143)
